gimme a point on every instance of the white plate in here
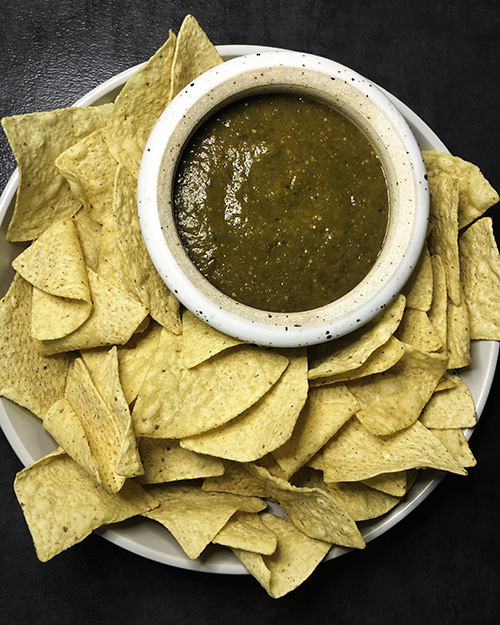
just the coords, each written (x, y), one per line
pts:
(147, 538)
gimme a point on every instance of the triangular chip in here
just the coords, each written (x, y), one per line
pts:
(138, 107)
(201, 341)
(140, 273)
(418, 289)
(37, 139)
(480, 266)
(451, 408)
(476, 193)
(455, 442)
(62, 504)
(26, 377)
(438, 312)
(175, 402)
(264, 426)
(194, 54)
(89, 233)
(246, 530)
(111, 265)
(195, 517)
(89, 168)
(395, 483)
(458, 338)
(416, 329)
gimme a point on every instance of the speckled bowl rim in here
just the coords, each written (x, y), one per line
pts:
(361, 100)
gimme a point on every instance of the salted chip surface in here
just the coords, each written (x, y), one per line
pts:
(247, 530)
(450, 408)
(325, 412)
(37, 139)
(140, 272)
(194, 54)
(62, 504)
(393, 400)
(26, 377)
(480, 263)
(455, 442)
(354, 349)
(111, 263)
(175, 402)
(395, 483)
(356, 454)
(295, 558)
(264, 426)
(89, 233)
(89, 167)
(201, 341)
(195, 517)
(458, 338)
(65, 427)
(114, 318)
(476, 193)
(418, 289)
(164, 460)
(138, 107)
(417, 330)
(443, 237)
(438, 312)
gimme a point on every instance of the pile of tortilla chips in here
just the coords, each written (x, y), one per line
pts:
(156, 414)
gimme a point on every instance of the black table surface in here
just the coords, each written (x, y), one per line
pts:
(440, 564)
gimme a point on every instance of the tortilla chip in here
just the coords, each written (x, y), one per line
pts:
(476, 193)
(393, 400)
(418, 289)
(438, 312)
(194, 54)
(44, 196)
(395, 484)
(114, 318)
(351, 351)
(294, 560)
(65, 427)
(175, 402)
(111, 264)
(443, 237)
(62, 504)
(26, 377)
(164, 460)
(480, 264)
(139, 271)
(264, 426)
(416, 329)
(360, 501)
(325, 412)
(452, 408)
(201, 341)
(89, 233)
(246, 530)
(356, 454)
(455, 442)
(89, 168)
(195, 517)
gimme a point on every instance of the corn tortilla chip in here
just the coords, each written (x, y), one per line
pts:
(294, 560)
(356, 454)
(201, 341)
(138, 107)
(26, 377)
(418, 289)
(246, 530)
(195, 517)
(89, 168)
(264, 426)
(114, 318)
(111, 265)
(37, 139)
(451, 408)
(476, 193)
(458, 337)
(140, 273)
(62, 504)
(194, 54)
(438, 312)
(416, 329)
(89, 233)
(353, 350)
(164, 460)
(325, 412)
(480, 263)
(175, 402)
(455, 442)
(395, 484)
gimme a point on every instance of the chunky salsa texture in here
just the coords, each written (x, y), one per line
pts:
(281, 202)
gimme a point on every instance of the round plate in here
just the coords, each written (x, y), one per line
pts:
(149, 539)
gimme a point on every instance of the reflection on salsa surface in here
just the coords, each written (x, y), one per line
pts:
(281, 202)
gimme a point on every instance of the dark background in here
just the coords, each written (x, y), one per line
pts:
(441, 564)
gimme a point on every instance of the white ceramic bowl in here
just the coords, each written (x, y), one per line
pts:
(359, 100)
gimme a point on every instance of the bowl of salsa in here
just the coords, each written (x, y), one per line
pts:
(283, 198)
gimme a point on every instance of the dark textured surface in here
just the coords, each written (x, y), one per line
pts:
(441, 564)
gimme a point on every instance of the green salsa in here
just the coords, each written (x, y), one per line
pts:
(281, 202)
